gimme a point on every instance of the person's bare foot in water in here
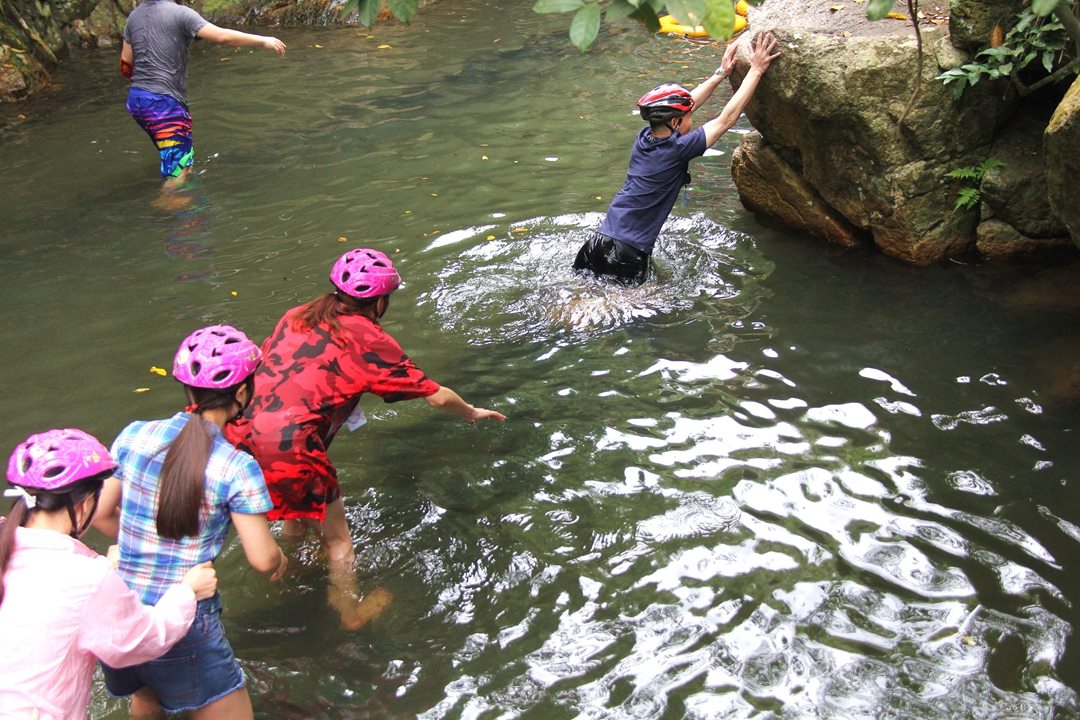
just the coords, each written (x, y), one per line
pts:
(355, 614)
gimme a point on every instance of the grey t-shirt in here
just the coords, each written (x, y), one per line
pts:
(160, 32)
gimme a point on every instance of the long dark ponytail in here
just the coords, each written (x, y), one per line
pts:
(183, 473)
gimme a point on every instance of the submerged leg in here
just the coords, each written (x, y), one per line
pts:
(356, 610)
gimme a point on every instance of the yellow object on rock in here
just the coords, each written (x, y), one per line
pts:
(669, 24)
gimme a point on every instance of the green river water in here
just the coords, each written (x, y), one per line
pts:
(780, 481)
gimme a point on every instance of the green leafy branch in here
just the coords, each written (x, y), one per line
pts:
(1046, 33)
(716, 16)
(970, 194)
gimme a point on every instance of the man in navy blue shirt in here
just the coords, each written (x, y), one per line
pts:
(659, 164)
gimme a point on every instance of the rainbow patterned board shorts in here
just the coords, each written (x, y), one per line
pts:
(168, 123)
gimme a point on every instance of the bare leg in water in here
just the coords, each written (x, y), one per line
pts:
(173, 196)
(234, 706)
(356, 610)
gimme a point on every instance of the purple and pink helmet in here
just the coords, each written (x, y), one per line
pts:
(54, 459)
(364, 273)
(216, 357)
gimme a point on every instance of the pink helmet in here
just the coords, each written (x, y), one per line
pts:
(55, 459)
(216, 357)
(365, 273)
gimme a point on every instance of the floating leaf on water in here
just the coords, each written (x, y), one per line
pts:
(599, 197)
(318, 46)
(233, 293)
(520, 230)
(384, 47)
(490, 237)
(159, 371)
(483, 157)
(343, 239)
(434, 194)
(141, 390)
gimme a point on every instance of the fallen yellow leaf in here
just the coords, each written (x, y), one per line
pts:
(160, 371)
(318, 45)
(896, 16)
(342, 238)
(520, 230)
(836, 8)
(384, 46)
(233, 293)
(434, 194)
(490, 237)
(483, 157)
(141, 390)
(599, 197)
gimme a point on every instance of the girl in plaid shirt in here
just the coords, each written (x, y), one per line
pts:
(178, 488)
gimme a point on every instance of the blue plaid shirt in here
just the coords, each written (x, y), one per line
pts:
(149, 563)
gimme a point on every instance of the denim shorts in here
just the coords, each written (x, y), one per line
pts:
(200, 669)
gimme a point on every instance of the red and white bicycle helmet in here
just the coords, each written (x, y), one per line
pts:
(664, 102)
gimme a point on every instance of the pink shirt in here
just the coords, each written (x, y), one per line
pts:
(63, 608)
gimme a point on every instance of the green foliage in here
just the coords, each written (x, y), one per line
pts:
(1033, 38)
(1042, 8)
(367, 11)
(878, 9)
(585, 25)
(970, 194)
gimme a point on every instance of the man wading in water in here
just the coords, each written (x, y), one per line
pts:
(157, 36)
(659, 163)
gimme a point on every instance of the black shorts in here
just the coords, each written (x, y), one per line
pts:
(614, 259)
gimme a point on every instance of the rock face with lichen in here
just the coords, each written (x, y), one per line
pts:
(34, 35)
(856, 139)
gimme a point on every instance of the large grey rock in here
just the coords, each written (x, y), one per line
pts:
(997, 241)
(1062, 151)
(770, 186)
(832, 105)
(1016, 192)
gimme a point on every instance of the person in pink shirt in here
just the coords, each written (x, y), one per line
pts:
(62, 606)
